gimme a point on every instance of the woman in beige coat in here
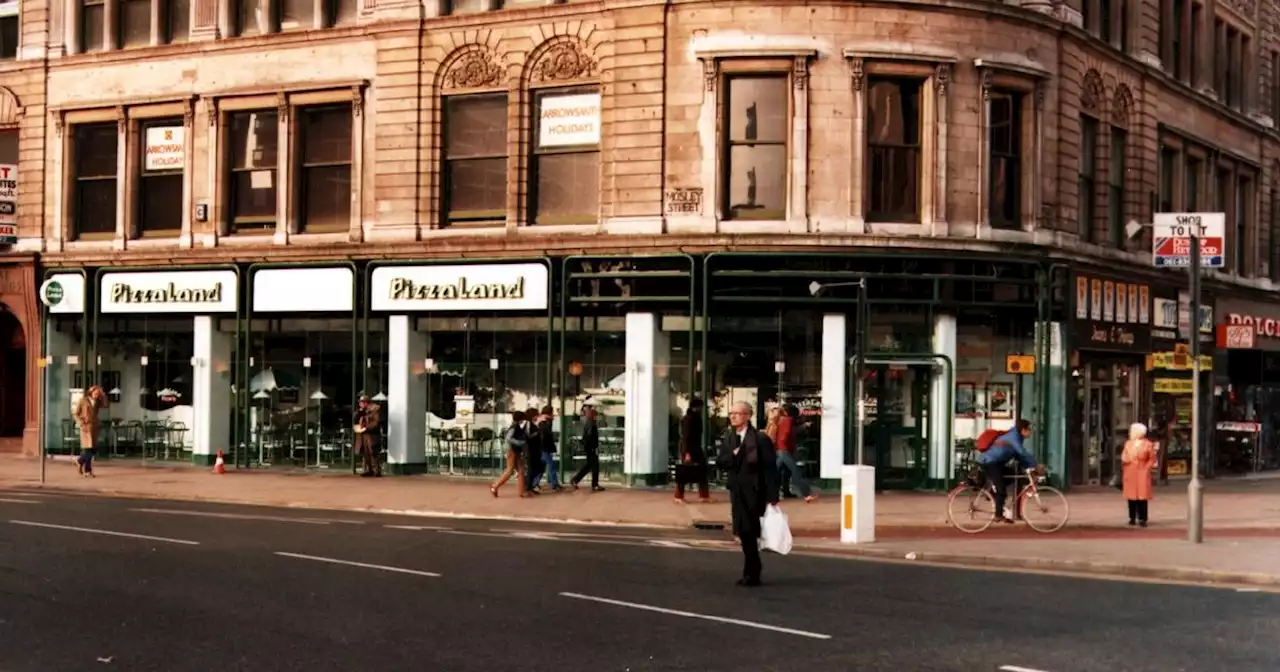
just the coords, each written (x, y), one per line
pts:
(1138, 457)
(86, 414)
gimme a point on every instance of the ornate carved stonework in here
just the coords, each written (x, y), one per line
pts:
(211, 114)
(562, 62)
(475, 69)
(942, 77)
(58, 122)
(1042, 89)
(357, 101)
(856, 73)
(188, 113)
(1122, 107)
(122, 119)
(800, 72)
(282, 108)
(709, 70)
(985, 79)
(1092, 91)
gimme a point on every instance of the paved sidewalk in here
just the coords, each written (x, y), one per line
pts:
(1242, 518)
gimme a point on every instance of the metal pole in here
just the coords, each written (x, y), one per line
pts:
(1195, 490)
(860, 352)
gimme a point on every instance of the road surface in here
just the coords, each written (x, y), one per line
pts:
(90, 583)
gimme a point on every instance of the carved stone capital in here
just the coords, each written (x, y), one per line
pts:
(1041, 90)
(942, 78)
(282, 107)
(985, 78)
(122, 119)
(188, 113)
(800, 72)
(857, 73)
(211, 114)
(357, 101)
(59, 122)
(710, 71)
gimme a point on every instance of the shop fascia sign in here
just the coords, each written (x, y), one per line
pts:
(304, 290)
(1265, 327)
(169, 292)
(459, 287)
(1113, 314)
(63, 293)
(8, 204)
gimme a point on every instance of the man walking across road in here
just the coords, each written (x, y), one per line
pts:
(752, 464)
(86, 414)
(590, 446)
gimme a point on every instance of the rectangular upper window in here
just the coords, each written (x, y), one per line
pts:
(756, 132)
(893, 123)
(161, 163)
(324, 166)
(475, 159)
(252, 143)
(94, 153)
(1005, 159)
(565, 168)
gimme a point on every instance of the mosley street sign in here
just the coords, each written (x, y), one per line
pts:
(169, 292)
(1171, 239)
(459, 287)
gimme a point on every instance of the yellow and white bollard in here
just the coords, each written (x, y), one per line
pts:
(858, 504)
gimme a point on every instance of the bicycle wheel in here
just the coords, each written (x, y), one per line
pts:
(971, 510)
(1045, 509)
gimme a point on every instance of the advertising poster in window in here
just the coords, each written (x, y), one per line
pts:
(1082, 298)
(569, 121)
(1095, 301)
(1108, 301)
(165, 149)
(1133, 304)
(1122, 302)
(8, 204)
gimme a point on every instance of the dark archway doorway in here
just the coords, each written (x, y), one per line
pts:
(13, 375)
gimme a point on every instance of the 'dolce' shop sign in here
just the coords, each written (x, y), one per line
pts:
(458, 287)
(169, 292)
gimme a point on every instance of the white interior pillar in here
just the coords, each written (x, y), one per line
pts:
(648, 400)
(406, 409)
(57, 382)
(835, 402)
(942, 399)
(210, 390)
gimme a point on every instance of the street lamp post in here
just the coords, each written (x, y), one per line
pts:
(1195, 489)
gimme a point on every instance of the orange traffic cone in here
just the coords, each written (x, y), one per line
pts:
(219, 466)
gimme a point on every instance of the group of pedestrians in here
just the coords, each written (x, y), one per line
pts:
(531, 452)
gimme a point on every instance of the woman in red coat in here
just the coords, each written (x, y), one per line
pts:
(1139, 457)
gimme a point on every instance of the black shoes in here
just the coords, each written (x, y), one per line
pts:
(748, 583)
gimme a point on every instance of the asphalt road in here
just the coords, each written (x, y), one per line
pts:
(209, 587)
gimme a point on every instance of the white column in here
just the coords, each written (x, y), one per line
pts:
(942, 399)
(648, 400)
(835, 401)
(57, 382)
(406, 415)
(210, 390)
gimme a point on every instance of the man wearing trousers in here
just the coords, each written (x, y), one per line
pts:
(748, 456)
(591, 447)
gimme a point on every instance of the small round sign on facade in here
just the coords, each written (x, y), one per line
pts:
(52, 293)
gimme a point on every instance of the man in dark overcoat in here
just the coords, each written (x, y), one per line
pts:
(748, 456)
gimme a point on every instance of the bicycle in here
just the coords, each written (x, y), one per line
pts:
(971, 506)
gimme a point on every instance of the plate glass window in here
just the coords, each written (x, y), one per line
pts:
(325, 167)
(162, 161)
(94, 150)
(1005, 179)
(475, 158)
(566, 161)
(893, 149)
(756, 113)
(252, 136)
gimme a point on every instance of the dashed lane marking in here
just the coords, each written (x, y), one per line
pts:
(109, 533)
(418, 528)
(1015, 668)
(6, 500)
(231, 516)
(689, 614)
(350, 563)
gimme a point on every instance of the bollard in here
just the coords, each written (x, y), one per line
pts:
(858, 504)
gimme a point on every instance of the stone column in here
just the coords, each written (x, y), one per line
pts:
(836, 404)
(648, 400)
(211, 398)
(942, 400)
(405, 414)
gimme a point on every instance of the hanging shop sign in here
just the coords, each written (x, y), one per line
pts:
(1173, 386)
(461, 287)
(169, 292)
(569, 120)
(8, 204)
(304, 290)
(63, 293)
(1112, 314)
(1263, 318)
(166, 149)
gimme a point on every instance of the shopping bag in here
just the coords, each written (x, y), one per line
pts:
(775, 533)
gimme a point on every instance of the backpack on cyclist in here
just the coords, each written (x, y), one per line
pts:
(987, 439)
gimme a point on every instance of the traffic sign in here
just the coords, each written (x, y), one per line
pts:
(1171, 239)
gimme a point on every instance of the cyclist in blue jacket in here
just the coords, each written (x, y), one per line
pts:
(994, 462)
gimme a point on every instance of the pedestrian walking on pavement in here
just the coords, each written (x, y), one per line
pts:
(752, 464)
(368, 419)
(693, 457)
(784, 439)
(1138, 458)
(547, 437)
(91, 402)
(532, 451)
(516, 438)
(591, 447)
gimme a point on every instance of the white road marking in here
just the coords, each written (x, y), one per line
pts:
(6, 500)
(1015, 668)
(1248, 590)
(687, 614)
(666, 543)
(418, 528)
(106, 532)
(233, 516)
(366, 565)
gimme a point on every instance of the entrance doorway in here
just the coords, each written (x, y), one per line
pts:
(897, 434)
(13, 375)
(1107, 394)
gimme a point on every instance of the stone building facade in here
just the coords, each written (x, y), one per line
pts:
(160, 133)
